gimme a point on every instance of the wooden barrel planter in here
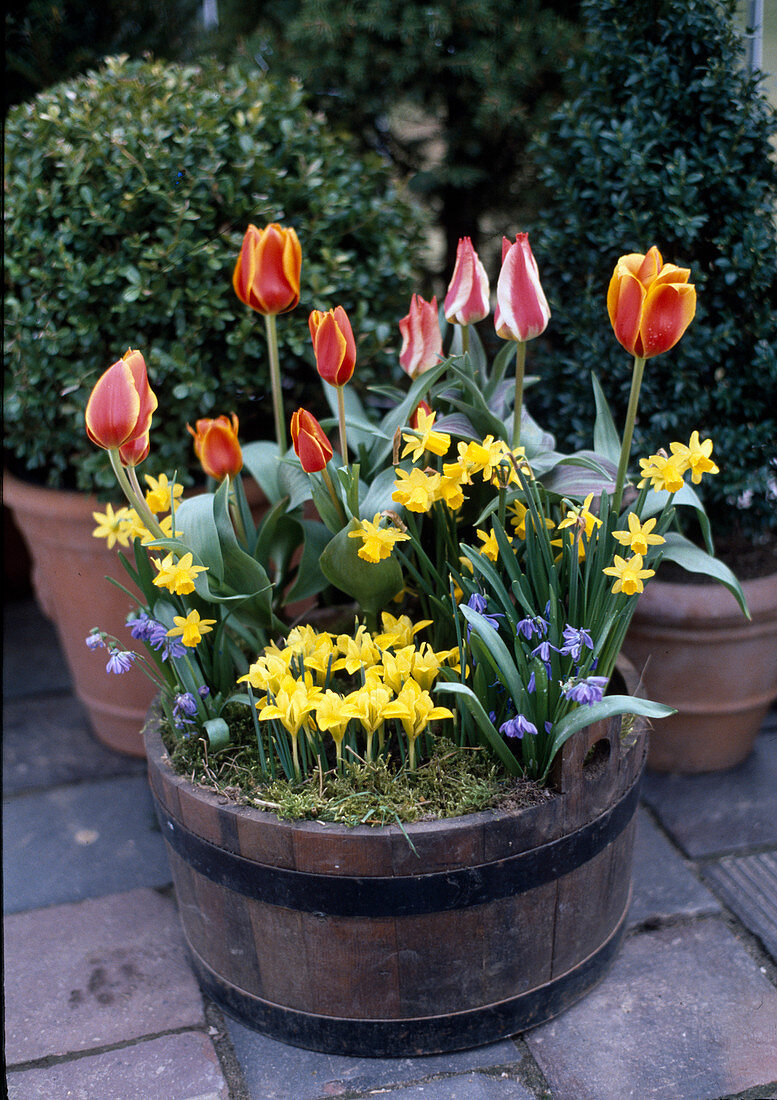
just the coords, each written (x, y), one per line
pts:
(346, 940)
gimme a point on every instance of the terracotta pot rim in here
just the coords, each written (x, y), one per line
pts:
(675, 602)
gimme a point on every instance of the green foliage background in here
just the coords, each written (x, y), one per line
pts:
(128, 192)
(666, 140)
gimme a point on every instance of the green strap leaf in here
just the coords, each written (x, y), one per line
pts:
(492, 737)
(610, 706)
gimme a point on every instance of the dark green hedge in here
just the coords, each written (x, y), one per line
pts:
(127, 195)
(666, 140)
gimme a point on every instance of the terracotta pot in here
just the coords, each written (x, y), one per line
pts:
(350, 941)
(69, 567)
(701, 655)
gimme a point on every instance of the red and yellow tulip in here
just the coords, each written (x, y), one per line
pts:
(333, 344)
(120, 407)
(650, 303)
(267, 272)
(216, 446)
(421, 337)
(311, 445)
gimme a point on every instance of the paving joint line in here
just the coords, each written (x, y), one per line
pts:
(229, 1062)
(50, 1060)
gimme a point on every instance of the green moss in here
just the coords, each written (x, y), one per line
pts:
(454, 781)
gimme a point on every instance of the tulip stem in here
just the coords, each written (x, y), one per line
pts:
(134, 494)
(333, 494)
(628, 432)
(464, 339)
(275, 381)
(520, 363)
(341, 419)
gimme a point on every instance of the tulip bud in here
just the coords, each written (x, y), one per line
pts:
(421, 337)
(333, 344)
(422, 407)
(311, 445)
(216, 446)
(120, 406)
(267, 272)
(522, 310)
(650, 303)
(467, 299)
(132, 454)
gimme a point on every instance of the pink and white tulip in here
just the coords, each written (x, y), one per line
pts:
(522, 311)
(467, 299)
(421, 337)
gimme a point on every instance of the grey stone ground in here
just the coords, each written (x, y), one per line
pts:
(100, 1002)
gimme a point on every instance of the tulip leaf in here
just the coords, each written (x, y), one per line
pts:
(372, 585)
(196, 520)
(656, 501)
(293, 482)
(262, 459)
(246, 575)
(310, 579)
(378, 497)
(695, 560)
(580, 474)
(606, 439)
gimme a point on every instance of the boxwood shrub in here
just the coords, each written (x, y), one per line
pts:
(128, 192)
(665, 140)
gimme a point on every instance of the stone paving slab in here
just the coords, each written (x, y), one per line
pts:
(31, 650)
(663, 886)
(276, 1071)
(47, 742)
(723, 812)
(79, 977)
(748, 886)
(472, 1086)
(174, 1067)
(83, 841)
(684, 1013)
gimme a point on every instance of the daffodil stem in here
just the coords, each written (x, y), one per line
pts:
(341, 419)
(628, 433)
(134, 494)
(520, 363)
(275, 381)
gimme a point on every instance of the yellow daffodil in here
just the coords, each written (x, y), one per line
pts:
(398, 632)
(166, 525)
(377, 541)
(177, 576)
(137, 528)
(695, 457)
(191, 628)
(424, 438)
(112, 526)
(160, 491)
(416, 490)
(638, 537)
(582, 518)
(482, 458)
(490, 546)
(519, 514)
(629, 575)
(663, 472)
(450, 487)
